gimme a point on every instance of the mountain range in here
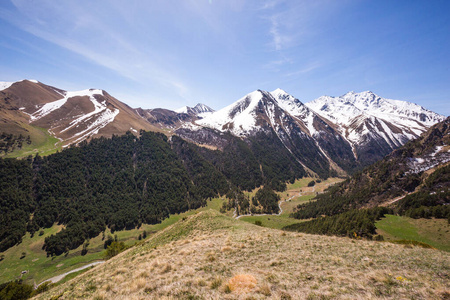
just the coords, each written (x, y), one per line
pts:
(329, 134)
(345, 132)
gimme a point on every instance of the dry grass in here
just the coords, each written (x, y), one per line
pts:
(242, 283)
(270, 265)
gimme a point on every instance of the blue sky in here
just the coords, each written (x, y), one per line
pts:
(167, 53)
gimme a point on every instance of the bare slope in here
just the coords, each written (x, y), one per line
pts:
(211, 256)
(69, 116)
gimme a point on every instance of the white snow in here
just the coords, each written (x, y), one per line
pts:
(429, 161)
(52, 106)
(296, 109)
(4, 85)
(98, 107)
(243, 119)
(106, 117)
(438, 149)
(95, 120)
(352, 110)
(48, 108)
(200, 109)
(182, 110)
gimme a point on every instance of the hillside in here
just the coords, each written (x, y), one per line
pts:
(412, 181)
(406, 171)
(123, 182)
(70, 117)
(210, 256)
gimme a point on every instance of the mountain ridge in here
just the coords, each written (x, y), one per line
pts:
(198, 110)
(341, 133)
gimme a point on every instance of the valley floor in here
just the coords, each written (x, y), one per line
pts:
(200, 256)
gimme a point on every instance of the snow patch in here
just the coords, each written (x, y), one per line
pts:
(182, 110)
(4, 85)
(436, 158)
(52, 106)
(107, 116)
(438, 149)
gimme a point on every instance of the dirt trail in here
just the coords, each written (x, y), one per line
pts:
(61, 276)
(394, 200)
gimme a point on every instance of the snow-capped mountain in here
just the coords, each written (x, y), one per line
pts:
(369, 121)
(312, 141)
(347, 132)
(200, 110)
(241, 117)
(69, 116)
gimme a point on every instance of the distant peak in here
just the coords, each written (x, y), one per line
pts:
(202, 108)
(348, 93)
(279, 91)
(282, 95)
(196, 110)
(4, 85)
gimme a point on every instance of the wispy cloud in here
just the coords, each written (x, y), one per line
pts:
(89, 34)
(280, 37)
(305, 69)
(269, 4)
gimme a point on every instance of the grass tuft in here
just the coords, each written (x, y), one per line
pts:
(216, 283)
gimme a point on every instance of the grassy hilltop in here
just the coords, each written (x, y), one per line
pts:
(211, 256)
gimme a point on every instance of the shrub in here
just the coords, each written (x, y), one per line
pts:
(379, 238)
(15, 290)
(43, 287)
(413, 243)
(115, 248)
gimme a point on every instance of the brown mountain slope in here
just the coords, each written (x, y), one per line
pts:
(69, 116)
(30, 95)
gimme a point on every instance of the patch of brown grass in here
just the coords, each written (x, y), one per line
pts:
(242, 283)
(226, 249)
